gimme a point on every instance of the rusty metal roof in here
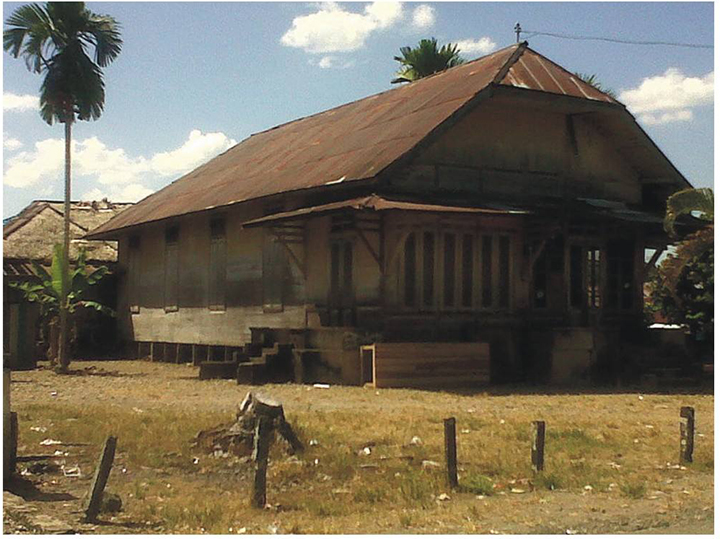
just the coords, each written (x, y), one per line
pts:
(352, 142)
(378, 203)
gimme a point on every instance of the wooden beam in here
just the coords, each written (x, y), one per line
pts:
(364, 239)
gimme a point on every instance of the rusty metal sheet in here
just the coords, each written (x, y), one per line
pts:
(353, 142)
(535, 72)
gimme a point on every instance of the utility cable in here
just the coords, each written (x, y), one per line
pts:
(530, 33)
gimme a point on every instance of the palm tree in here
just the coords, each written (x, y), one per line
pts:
(426, 59)
(689, 201)
(54, 39)
(594, 81)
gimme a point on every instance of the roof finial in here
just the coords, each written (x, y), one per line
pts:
(518, 29)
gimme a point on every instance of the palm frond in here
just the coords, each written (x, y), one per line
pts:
(687, 202)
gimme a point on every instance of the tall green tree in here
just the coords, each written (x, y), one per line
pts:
(426, 59)
(682, 289)
(69, 45)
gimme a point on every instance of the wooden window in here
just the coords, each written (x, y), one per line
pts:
(172, 237)
(576, 277)
(504, 272)
(428, 269)
(342, 291)
(594, 292)
(487, 251)
(620, 274)
(468, 262)
(410, 271)
(274, 274)
(134, 277)
(449, 271)
(585, 277)
(217, 271)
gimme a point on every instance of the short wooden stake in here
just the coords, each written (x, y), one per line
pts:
(451, 452)
(100, 480)
(537, 454)
(263, 430)
(687, 433)
(13, 442)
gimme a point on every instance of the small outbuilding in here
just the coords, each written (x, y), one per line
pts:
(30, 236)
(490, 222)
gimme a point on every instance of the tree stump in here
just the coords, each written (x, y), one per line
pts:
(238, 437)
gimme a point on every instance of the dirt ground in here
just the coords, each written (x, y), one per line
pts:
(613, 460)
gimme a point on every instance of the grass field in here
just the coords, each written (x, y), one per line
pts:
(611, 457)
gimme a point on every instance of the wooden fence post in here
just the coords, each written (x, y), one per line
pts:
(260, 456)
(537, 454)
(687, 433)
(100, 480)
(451, 452)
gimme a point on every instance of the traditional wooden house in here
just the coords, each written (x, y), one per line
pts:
(498, 212)
(30, 236)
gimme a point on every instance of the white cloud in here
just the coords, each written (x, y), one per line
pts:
(197, 149)
(666, 117)
(423, 16)
(11, 144)
(669, 97)
(334, 29)
(20, 103)
(332, 62)
(123, 174)
(481, 46)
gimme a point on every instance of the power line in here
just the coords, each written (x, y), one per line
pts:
(530, 33)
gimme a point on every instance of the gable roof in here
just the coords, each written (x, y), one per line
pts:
(33, 233)
(352, 142)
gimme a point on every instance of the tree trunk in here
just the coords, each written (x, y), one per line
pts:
(63, 352)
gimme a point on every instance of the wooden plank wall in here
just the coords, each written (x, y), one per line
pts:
(430, 364)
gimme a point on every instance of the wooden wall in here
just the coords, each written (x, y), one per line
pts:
(509, 150)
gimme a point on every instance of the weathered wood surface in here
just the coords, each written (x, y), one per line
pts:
(261, 449)
(102, 473)
(451, 452)
(238, 437)
(429, 364)
(537, 454)
(687, 434)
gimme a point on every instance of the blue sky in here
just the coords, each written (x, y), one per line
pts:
(195, 78)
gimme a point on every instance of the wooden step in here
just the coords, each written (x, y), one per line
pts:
(217, 369)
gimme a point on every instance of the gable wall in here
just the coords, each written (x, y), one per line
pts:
(515, 152)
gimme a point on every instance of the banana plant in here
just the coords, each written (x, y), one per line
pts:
(45, 288)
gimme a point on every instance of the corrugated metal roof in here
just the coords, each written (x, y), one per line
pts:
(352, 142)
(377, 203)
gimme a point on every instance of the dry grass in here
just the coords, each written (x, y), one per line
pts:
(607, 456)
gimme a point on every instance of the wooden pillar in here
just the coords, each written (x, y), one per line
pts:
(687, 434)
(100, 480)
(538, 446)
(451, 452)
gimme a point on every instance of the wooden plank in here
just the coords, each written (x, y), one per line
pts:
(537, 454)
(451, 452)
(100, 480)
(260, 456)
